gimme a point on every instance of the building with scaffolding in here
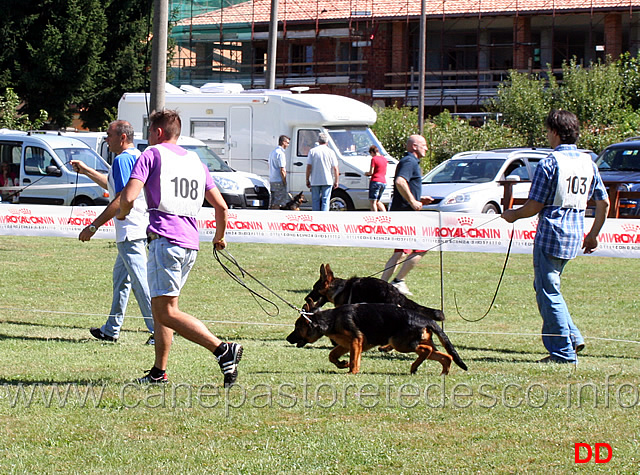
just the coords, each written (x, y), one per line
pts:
(368, 49)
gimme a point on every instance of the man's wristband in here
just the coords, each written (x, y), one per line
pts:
(93, 228)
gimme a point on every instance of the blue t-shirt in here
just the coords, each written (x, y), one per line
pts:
(122, 166)
(409, 169)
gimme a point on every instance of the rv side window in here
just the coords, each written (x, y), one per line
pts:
(307, 139)
(209, 130)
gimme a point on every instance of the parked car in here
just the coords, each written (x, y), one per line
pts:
(40, 160)
(239, 189)
(620, 164)
(468, 182)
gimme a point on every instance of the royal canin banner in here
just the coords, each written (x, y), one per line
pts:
(407, 230)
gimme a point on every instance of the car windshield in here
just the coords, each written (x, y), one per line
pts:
(464, 171)
(86, 155)
(354, 141)
(213, 162)
(620, 159)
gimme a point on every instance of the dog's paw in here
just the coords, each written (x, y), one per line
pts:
(385, 348)
(342, 364)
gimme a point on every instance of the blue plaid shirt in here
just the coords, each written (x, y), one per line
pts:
(560, 231)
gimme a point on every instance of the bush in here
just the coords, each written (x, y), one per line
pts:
(10, 118)
(394, 126)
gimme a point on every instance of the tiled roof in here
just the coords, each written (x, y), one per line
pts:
(258, 11)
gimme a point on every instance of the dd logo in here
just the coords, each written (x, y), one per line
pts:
(590, 453)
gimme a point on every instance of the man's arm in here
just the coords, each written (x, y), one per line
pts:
(283, 175)
(216, 200)
(82, 168)
(128, 195)
(403, 187)
(591, 239)
(336, 176)
(530, 208)
(308, 175)
(109, 212)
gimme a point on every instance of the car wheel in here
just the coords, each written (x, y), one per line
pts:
(340, 201)
(490, 208)
(82, 201)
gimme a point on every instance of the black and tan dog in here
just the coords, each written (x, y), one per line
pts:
(294, 203)
(358, 327)
(329, 288)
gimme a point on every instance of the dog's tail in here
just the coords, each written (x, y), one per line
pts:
(430, 313)
(444, 339)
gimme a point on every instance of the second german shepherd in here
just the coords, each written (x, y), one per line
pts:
(358, 327)
(294, 203)
(329, 288)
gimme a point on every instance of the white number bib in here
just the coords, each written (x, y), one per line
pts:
(575, 175)
(182, 183)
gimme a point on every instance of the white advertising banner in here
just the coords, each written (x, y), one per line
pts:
(407, 230)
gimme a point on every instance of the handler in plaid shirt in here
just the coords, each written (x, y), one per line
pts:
(562, 185)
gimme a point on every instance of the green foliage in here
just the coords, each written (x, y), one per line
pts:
(524, 102)
(11, 118)
(66, 55)
(394, 126)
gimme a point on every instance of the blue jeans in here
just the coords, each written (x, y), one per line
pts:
(129, 272)
(320, 197)
(553, 309)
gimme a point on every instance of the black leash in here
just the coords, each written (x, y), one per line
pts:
(495, 295)
(242, 283)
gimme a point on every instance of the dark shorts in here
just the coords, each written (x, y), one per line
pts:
(375, 190)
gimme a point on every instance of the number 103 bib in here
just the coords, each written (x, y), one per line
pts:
(182, 183)
(575, 175)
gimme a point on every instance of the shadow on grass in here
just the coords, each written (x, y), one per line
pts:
(47, 382)
(41, 338)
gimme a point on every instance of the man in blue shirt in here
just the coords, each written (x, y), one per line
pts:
(407, 188)
(562, 185)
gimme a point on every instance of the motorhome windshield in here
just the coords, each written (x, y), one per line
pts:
(354, 141)
(88, 156)
(213, 162)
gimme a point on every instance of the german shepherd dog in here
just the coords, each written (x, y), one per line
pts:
(294, 203)
(358, 327)
(329, 288)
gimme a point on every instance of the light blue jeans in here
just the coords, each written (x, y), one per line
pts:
(553, 309)
(129, 272)
(320, 197)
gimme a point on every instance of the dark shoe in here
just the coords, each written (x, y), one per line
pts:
(148, 379)
(151, 340)
(97, 333)
(229, 363)
(580, 347)
(549, 359)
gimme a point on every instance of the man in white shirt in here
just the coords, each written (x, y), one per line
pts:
(322, 163)
(278, 173)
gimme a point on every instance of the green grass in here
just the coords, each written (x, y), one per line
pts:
(293, 411)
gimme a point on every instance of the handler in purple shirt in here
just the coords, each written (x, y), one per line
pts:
(175, 184)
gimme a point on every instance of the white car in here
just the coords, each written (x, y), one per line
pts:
(468, 182)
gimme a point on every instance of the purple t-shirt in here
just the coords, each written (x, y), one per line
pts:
(179, 230)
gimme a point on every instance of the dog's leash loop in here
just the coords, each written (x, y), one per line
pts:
(495, 295)
(253, 293)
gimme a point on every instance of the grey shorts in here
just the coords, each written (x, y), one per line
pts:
(168, 267)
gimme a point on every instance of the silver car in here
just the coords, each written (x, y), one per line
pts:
(468, 182)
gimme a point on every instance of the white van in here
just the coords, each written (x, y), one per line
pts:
(40, 161)
(243, 128)
(239, 189)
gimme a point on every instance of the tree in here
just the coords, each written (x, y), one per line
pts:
(65, 54)
(10, 118)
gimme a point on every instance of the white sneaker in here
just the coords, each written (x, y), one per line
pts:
(401, 286)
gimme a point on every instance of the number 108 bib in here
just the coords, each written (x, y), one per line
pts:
(182, 183)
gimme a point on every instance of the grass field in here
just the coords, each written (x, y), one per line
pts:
(67, 403)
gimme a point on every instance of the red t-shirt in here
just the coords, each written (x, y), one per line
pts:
(379, 169)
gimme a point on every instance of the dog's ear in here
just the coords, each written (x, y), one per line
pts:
(323, 274)
(309, 305)
(328, 273)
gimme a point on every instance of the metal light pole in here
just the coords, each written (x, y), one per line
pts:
(271, 47)
(421, 65)
(159, 54)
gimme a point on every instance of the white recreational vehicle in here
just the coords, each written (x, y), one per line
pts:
(243, 128)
